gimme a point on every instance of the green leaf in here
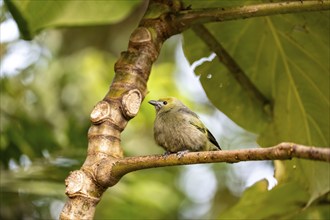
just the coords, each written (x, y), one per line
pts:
(33, 16)
(282, 202)
(314, 176)
(222, 86)
(287, 59)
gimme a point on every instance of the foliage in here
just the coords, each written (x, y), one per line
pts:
(73, 13)
(290, 70)
(45, 108)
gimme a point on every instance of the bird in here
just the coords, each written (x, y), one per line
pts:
(179, 129)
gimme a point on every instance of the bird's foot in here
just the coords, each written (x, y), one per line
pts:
(167, 153)
(181, 153)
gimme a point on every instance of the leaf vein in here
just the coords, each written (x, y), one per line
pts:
(290, 77)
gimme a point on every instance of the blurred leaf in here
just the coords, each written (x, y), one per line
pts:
(312, 175)
(319, 211)
(33, 16)
(147, 199)
(48, 108)
(282, 202)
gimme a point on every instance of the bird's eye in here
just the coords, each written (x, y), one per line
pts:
(165, 103)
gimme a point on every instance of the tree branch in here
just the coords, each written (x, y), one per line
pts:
(188, 18)
(283, 151)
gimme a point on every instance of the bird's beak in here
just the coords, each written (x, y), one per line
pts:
(157, 104)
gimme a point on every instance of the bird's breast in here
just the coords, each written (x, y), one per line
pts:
(175, 133)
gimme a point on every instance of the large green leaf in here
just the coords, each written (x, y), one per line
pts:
(33, 16)
(287, 59)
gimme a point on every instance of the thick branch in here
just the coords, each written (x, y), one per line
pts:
(283, 151)
(188, 18)
(110, 116)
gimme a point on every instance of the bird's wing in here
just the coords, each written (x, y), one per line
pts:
(200, 126)
(195, 121)
(212, 139)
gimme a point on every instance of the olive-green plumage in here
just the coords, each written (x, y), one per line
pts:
(177, 128)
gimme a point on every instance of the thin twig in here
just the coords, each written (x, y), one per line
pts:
(283, 151)
(190, 17)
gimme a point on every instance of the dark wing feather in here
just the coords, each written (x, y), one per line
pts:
(212, 139)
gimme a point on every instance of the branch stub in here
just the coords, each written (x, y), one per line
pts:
(140, 35)
(100, 112)
(131, 102)
(74, 182)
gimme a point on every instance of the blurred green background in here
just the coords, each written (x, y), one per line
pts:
(49, 86)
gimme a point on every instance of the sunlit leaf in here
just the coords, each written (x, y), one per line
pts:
(287, 60)
(33, 16)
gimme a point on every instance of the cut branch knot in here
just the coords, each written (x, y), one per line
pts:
(131, 102)
(78, 183)
(100, 112)
(140, 35)
(74, 182)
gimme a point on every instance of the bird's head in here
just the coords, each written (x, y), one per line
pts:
(165, 104)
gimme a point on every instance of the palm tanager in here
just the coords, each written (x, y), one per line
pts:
(178, 129)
